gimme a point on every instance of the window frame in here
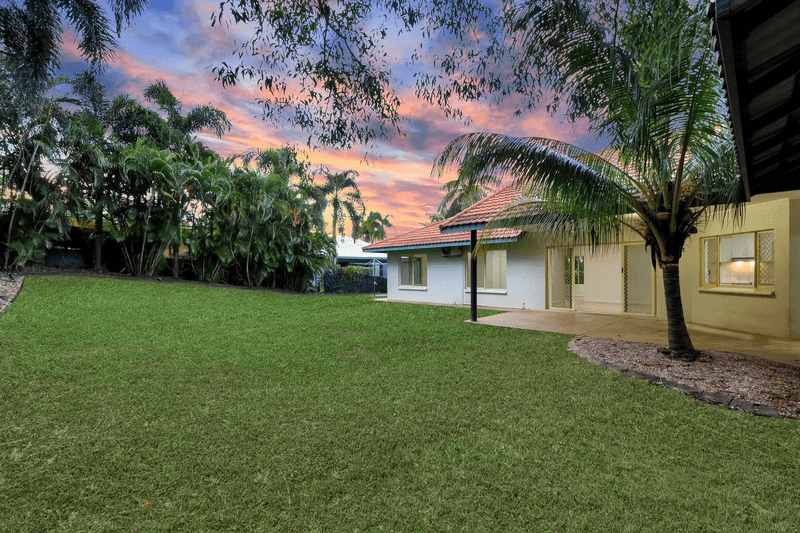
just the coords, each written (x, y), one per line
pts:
(482, 260)
(423, 282)
(580, 270)
(716, 285)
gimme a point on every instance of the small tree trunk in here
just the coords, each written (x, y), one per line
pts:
(19, 199)
(98, 241)
(176, 248)
(680, 344)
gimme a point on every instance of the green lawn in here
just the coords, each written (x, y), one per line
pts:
(136, 406)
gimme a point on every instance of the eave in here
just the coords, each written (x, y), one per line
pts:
(759, 53)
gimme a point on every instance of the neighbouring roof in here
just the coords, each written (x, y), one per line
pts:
(759, 49)
(353, 249)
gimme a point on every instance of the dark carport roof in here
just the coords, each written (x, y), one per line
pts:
(759, 48)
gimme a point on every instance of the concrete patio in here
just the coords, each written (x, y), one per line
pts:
(637, 329)
(649, 330)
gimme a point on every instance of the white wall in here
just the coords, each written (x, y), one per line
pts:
(525, 279)
(444, 278)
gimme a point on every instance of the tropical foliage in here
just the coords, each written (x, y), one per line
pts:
(33, 208)
(143, 214)
(373, 227)
(251, 226)
(138, 177)
(30, 37)
(644, 75)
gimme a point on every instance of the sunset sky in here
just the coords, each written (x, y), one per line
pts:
(174, 41)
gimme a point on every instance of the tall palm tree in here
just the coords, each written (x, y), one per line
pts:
(343, 196)
(178, 126)
(175, 133)
(87, 162)
(648, 82)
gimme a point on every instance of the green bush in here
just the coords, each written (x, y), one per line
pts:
(252, 229)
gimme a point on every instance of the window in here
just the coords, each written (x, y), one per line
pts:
(412, 270)
(578, 270)
(491, 270)
(740, 260)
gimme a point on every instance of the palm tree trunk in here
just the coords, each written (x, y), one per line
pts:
(680, 344)
(19, 199)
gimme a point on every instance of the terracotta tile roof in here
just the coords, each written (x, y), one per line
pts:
(482, 212)
(430, 236)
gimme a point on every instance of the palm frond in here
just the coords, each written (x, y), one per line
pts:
(541, 167)
(560, 223)
(96, 40)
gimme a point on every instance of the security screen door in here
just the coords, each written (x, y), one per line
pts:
(560, 278)
(637, 280)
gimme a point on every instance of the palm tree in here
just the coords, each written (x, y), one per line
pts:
(316, 202)
(462, 193)
(178, 126)
(30, 36)
(145, 214)
(175, 134)
(373, 228)
(282, 162)
(86, 166)
(343, 196)
(648, 82)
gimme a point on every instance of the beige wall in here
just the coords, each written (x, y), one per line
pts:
(775, 314)
(603, 281)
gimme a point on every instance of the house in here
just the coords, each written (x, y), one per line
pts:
(744, 277)
(350, 251)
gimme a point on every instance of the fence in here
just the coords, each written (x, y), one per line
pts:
(352, 280)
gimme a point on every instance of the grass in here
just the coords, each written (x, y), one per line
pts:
(136, 406)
